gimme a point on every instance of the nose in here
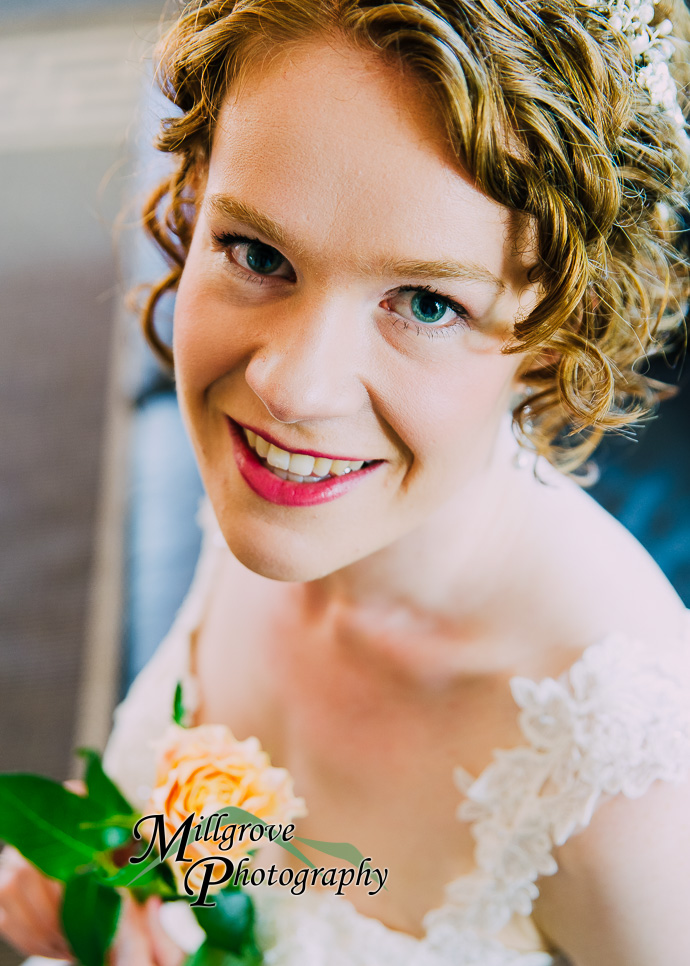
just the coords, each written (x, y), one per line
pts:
(309, 361)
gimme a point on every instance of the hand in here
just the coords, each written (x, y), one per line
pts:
(141, 940)
(30, 905)
(30, 920)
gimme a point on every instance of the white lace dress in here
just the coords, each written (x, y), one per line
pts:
(615, 722)
(618, 720)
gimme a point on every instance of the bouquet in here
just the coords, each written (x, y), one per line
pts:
(216, 800)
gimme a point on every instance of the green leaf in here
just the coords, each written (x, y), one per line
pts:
(90, 912)
(208, 955)
(230, 815)
(115, 821)
(179, 715)
(49, 825)
(233, 815)
(156, 879)
(116, 829)
(339, 850)
(101, 788)
(230, 923)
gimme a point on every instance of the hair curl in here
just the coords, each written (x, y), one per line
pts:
(540, 104)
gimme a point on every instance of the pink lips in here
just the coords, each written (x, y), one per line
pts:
(306, 452)
(284, 492)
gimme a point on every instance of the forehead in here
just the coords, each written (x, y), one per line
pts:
(349, 153)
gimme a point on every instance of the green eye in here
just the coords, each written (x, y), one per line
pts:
(262, 258)
(427, 308)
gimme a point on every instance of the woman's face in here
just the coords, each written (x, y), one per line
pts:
(359, 313)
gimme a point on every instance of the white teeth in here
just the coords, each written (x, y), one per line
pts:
(301, 464)
(279, 458)
(299, 467)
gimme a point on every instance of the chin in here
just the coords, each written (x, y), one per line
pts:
(276, 567)
(284, 555)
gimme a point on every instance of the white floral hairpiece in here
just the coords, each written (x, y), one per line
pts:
(652, 49)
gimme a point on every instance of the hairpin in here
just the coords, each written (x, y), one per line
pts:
(652, 48)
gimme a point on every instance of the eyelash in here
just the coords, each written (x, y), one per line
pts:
(225, 240)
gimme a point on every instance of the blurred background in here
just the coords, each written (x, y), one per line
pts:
(76, 118)
(96, 546)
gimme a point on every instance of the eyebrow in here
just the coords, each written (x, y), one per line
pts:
(246, 214)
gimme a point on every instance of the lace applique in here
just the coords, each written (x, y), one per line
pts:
(315, 930)
(615, 722)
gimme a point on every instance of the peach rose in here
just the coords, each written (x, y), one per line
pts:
(205, 769)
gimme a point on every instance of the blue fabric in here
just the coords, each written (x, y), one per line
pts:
(163, 538)
(646, 485)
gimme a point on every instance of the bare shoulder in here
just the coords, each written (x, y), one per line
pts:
(621, 894)
(598, 576)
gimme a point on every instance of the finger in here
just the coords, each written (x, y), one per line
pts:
(51, 893)
(38, 895)
(32, 931)
(30, 903)
(10, 859)
(75, 785)
(132, 945)
(19, 930)
(165, 950)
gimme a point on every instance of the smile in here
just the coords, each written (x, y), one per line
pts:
(287, 478)
(299, 467)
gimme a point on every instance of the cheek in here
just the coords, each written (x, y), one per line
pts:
(453, 409)
(207, 340)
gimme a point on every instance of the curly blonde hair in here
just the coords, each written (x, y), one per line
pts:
(540, 104)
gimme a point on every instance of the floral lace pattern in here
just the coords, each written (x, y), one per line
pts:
(615, 722)
(316, 930)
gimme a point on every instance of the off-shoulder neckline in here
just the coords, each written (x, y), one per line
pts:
(472, 786)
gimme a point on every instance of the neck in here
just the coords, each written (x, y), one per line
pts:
(455, 568)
